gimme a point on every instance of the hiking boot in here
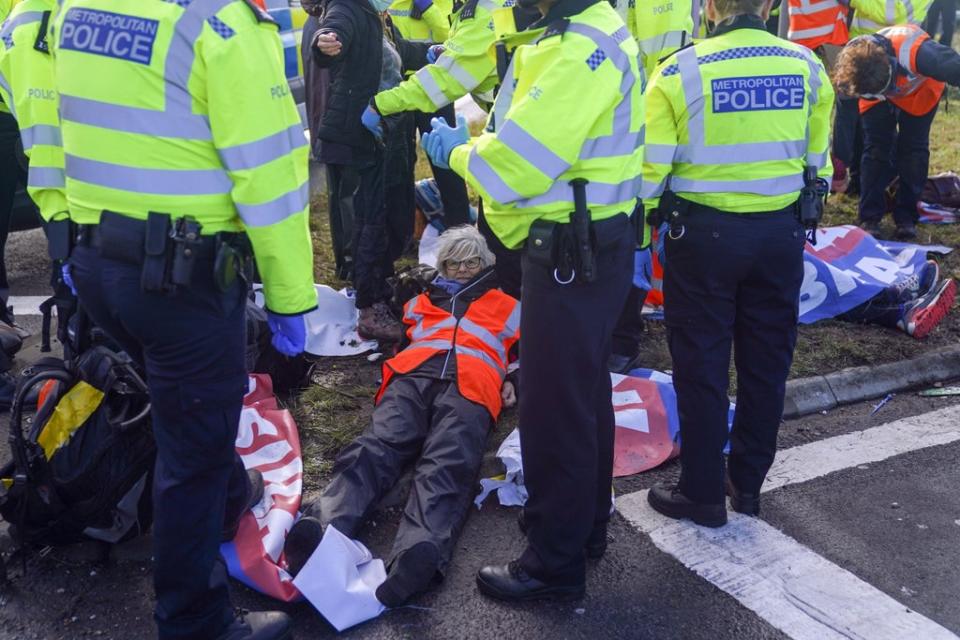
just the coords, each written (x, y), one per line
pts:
(905, 232)
(871, 226)
(302, 540)
(920, 317)
(255, 478)
(259, 625)
(412, 572)
(377, 323)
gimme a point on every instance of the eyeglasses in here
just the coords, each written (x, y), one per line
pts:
(469, 263)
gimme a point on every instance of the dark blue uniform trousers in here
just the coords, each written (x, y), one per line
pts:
(731, 278)
(192, 347)
(566, 413)
(887, 153)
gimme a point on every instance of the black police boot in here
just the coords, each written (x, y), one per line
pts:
(412, 572)
(511, 583)
(596, 544)
(742, 502)
(905, 231)
(302, 540)
(259, 625)
(255, 479)
(872, 227)
(673, 504)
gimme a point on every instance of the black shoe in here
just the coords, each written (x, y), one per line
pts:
(619, 363)
(302, 540)
(673, 504)
(871, 226)
(412, 572)
(255, 480)
(596, 544)
(905, 232)
(742, 502)
(511, 583)
(259, 625)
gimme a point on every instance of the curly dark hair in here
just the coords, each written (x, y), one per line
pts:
(862, 68)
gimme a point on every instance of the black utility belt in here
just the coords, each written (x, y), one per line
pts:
(169, 250)
(570, 252)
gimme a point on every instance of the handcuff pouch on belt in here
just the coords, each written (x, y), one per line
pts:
(568, 249)
(670, 211)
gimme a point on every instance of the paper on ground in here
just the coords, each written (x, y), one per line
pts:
(509, 487)
(340, 580)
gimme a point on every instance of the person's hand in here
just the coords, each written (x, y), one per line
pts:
(289, 333)
(443, 139)
(67, 277)
(326, 42)
(434, 52)
(508, 394)
(373, 121)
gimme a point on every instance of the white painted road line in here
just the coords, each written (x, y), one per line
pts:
(26, 305)
(795, 590)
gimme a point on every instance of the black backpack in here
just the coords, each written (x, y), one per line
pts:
(82, 468)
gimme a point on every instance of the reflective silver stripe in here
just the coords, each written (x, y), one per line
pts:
(277, 210)
(815, 32)
(432, 89)
(613, 145)
(652, 189)
(511, 326)
(859, 22)
(659, 42)
(532, 150)
(659, 153)
(457, 71)
(807, 8)
(598, 193)
(505, 97)
(484, 336)
(911, 18)
(762, 186)
(740, 152)
(260, 152)
(818, 160)
(27, 17)
(418, 332)
(44, 134)
(903, 56)
(148, 122)
(171, 182)
(46, 178)
(399, 13)
(6, 89)
(891, 11)
(692, 91)
(181, 54)
(480, 355)
(490, 180)
(440, 345)
(609, 44)
(695, 14)
(813, 66)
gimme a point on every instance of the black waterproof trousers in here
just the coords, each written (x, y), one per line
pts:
(423, 422)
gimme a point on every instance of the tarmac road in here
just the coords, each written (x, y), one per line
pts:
(861, 539)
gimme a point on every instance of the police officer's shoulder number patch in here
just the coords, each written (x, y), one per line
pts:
(555, 28)
(469, 10)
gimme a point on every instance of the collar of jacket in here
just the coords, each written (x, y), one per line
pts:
(743, 21)
(562, 10)
(479, 285)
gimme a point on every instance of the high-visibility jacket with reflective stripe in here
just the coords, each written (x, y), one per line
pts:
(817, 22)
(914, 93)
(27, 87)
(480, 340)
(733, 120)
(432, 26)
(182, 107)
(571, 107)
(869, 16)
(465, 66)
(663, 26)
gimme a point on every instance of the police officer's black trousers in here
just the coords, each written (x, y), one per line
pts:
(508, 266)
(423, 422)
(453, 190)
(895, 144)
(192, 347)
(731, 279)
(566, 414)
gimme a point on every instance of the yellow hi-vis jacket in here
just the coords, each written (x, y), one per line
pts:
(571, 106)
(869, 16)
(27, 88)
(465, 66)
(433, 26)
(733, 120)
(663, 26)
(183, 108)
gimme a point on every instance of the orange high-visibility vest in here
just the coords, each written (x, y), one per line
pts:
(480, 341)
(817, 22)
(914, 93)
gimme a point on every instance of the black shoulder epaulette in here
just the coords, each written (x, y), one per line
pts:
(457, 5)
(258, 13)
(40, 44)
(469, 10)
(673, 53)
(555, 28)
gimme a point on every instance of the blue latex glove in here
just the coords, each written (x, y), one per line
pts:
(643, 269)
(443, 139)
(434, 52)
(289, 333)
(373, 121)
(67, 277)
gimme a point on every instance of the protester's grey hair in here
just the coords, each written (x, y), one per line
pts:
(462, 243)
(728, 9)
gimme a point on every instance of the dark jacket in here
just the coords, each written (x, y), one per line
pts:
(354, 73)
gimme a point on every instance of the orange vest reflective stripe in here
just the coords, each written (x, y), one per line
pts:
(817, 22)
(914, 93)
(480, 340)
